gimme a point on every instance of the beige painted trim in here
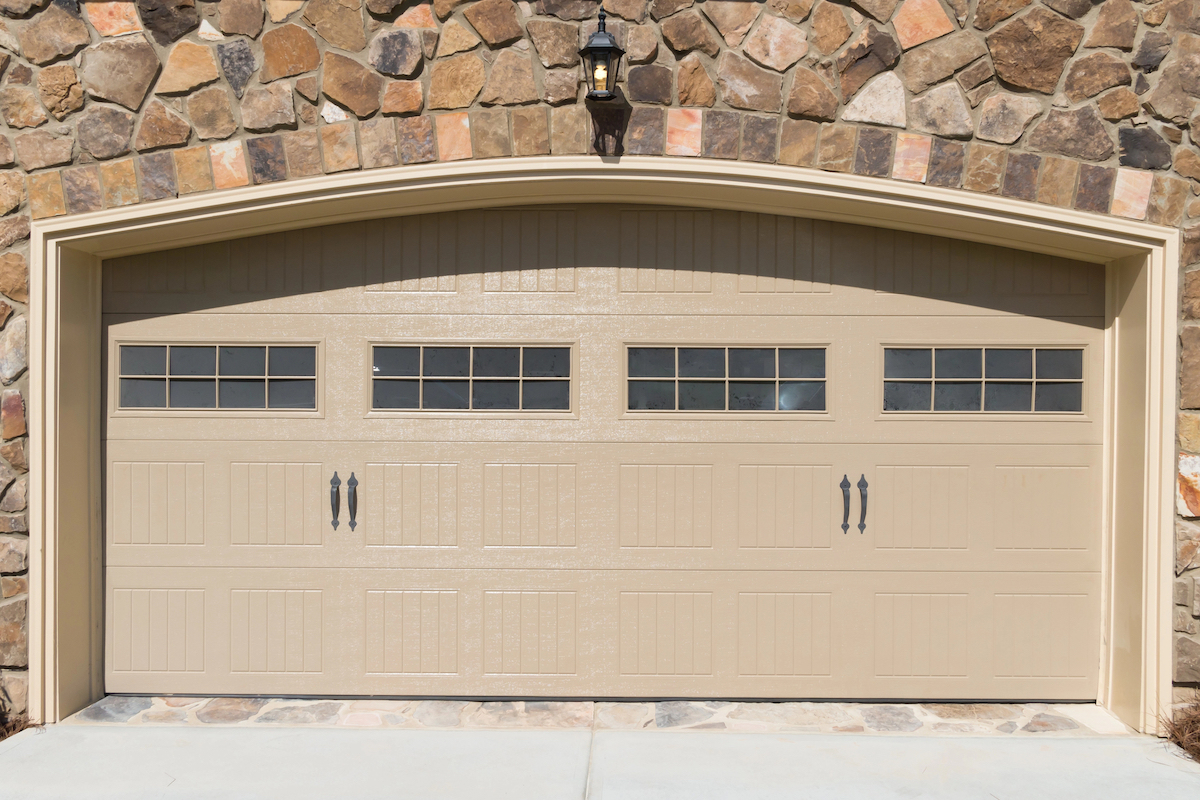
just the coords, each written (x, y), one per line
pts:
(66, 385)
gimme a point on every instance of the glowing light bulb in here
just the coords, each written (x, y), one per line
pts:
(601, 76)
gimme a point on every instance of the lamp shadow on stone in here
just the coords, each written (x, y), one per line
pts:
(610, 120)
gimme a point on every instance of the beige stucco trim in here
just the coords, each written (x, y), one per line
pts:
(64, 357)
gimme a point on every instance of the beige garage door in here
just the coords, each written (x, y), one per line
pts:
(622, 452)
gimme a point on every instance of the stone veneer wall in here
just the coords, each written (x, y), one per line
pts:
(1073, 103)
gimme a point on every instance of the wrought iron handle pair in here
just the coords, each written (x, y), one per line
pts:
(862, 491)
(335, 499)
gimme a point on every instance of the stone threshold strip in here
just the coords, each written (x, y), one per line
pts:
(928, 719)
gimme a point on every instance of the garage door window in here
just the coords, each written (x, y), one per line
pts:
(726, 379)
(995, 379)
(218, 377)
(469, 378)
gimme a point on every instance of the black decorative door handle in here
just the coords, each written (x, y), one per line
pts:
(862, 491)
(845, 487)
(352, 500)
(335, 498)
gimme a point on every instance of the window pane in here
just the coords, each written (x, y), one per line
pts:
(702, 362)
(806, 363)
(547, 362)
(651, 362)
(906, 396)
(492, 395)
(959, 363)
(143, 393)
(751, 396)
(243, 394)
(745, 362)
(141, 360)
(701, 395)
(547, 395)
(396, 394)
(293, 361)
(445, 394)
(1007, 396)
(292, 394)
(450, 362)
(907, 363)
(194, 361)
(802, 396)
(651, 395)
(193, 394)
(497, 362)
(397, 361)
(1009, 363)
(1058, 397)
(1060, 364)
(243, 361)
(956, 396)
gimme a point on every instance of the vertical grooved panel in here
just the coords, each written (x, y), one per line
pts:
(412, 632)
(1042, 636)
(157, 503)
(529, 505)
(665, 633)
(1039, 508)
(665, 252)
(921, 508)
(783, 255)
(276, 630)
(529, 633)
(158, 630)
(418, 505)
(277, 504)
(783, 633)
(535, 251)
(665, 506)
(921, 635)
(784, 506)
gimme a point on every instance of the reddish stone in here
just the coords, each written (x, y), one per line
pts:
(402, 98)
(496, 21)
(684, 129)
(12, 414)
(288, 50)
(1131, 193)
(830, 28)
(912, 157)
(919, 21)
(228, 165)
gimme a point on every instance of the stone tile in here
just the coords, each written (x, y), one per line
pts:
(649, 84)
(339, 148)
(912, 157)
(340, 22)
(377, 138)
(288, 50)
(114, 708)
(830, 27)
(111, 17)
(568, 130)
(303, 153)
(12, 425)
(837, 150)
(530, 132)
(561, 86)
(1056, 186)
(81, 187)
(891, 718)
(684, 129)
(193, 170)
(646, 132)
(7, 156)
(351, 85)
(237, 62)
(453, 136)
(1042, 723)
(211, 113)
(46, 196)
(267, 161)
(798, 142)
(919, 21)
(528, 714)
(946, 162)
(731, 17)
(227, 710)
(1131, 193)
(188, 66)
(401, 98)
(120, 71)
(511, 80)
(871, 53)
(415, 137)
(873, 155)
(51, 34)
(881, 102)
(721, 134)
(120, 183)
(1095, 188)
(748, 86)
(1021, 176)
(489, 133)
(307, 714)
(228, 165)
(932, 63)
(1167, 199)
(1031, 51)
(759, 138)
(680, 713)
(984, 168)
(158, 176)
(12, 191)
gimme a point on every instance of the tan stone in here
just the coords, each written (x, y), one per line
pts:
(288, 50)
(881, 10)
(14, 453)
(339, 22)
(12, 191)
(984, 169)
(660, 9)
(38, 149)
(161, 127)
(1116, 26)
(377, 139)
(193, 170)
(13, 585)
(52, 34)
(777, 44)
(695, 86)
(350, 84)
(455, 38)
(444, 8)
(270, 107)
(990, 12)
(745, 85)
(241, 16)
(419, 15)
(1004, 117)
(279, 10)
(495, 21)
(568, 130)
(511, 81)
(561, 86)
(211, 113)
(20, 108)
(45, 200)
(1076, 134)
(1093, 74)
(228, 164)
(798, 142)
(557, 43)
(830, 28)
(303, 152)
(339, 149)
(403, 98)
(60, 90)
(530, 131)
(120, 71)
(1030, 52)
(930, 64)
(189, 65)
(836, 151)
(308, 88)
(632, 10)
(1187, 163)
(7, 156)
(687, 31)
(733, 18)
(456, 81)
(120, 183)
(792, 10)
(942, 112)
(489, 133)
(14, 276)
(1118, 104)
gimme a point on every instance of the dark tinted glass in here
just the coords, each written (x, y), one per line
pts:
(194, 394)
(651, 362)
(907, 363)
(292, 394)
(651, 395)
(1008, 397)
(745, 362)
(446, 394)
(243, 361)
(956, 396)
(142, 360)
(396, 394)
(397, 361)
(293, 361)
(752, 397)
(449, 362)
(193, 361)
(906, 396)
(143, 393)
(802, 395)
(1009, 364)
(959, 363)
(243, 394)
(493, 395)
(1058, 397)
(497, 362)
(547, 362)
(701, 362)
(1060, 364)
(702, 395)
(547, 395)
(807, 363)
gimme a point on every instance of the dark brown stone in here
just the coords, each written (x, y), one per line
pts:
(161, 127)
(990, 12)
(829, 27)
(52, 34)
(873, 156)
(105, 132)
(557, 42)
(1142, 148)
(397, 53)
(1072, 8)
(836, 152)
(570, 9)
(168, 20)
(946, 159)
(646, 134)
(720, 135)
(158, 176)
(695, 87)
(267, 160)
(1095, 188)
(870, 54)
(1115, 27)
(660, 9)
(686, 32)
(1077, 134)
(1092, 74)
(496, 21)
(649, 84)
(530, 132)
(1151, 52)
(798, 142)
(81, 187)
(1031, 51)
(414, 135)
(240, 16)
(810, 98)
(351, 85)
(746, 85)
(339, 22)
(1021, 176)
(38, 149)
(288, 50)
(238, 64)
(759, 135)
(120, 70)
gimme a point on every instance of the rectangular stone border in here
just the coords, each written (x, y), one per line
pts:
(66, 628)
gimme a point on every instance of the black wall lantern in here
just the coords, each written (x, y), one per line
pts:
(602, 63)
